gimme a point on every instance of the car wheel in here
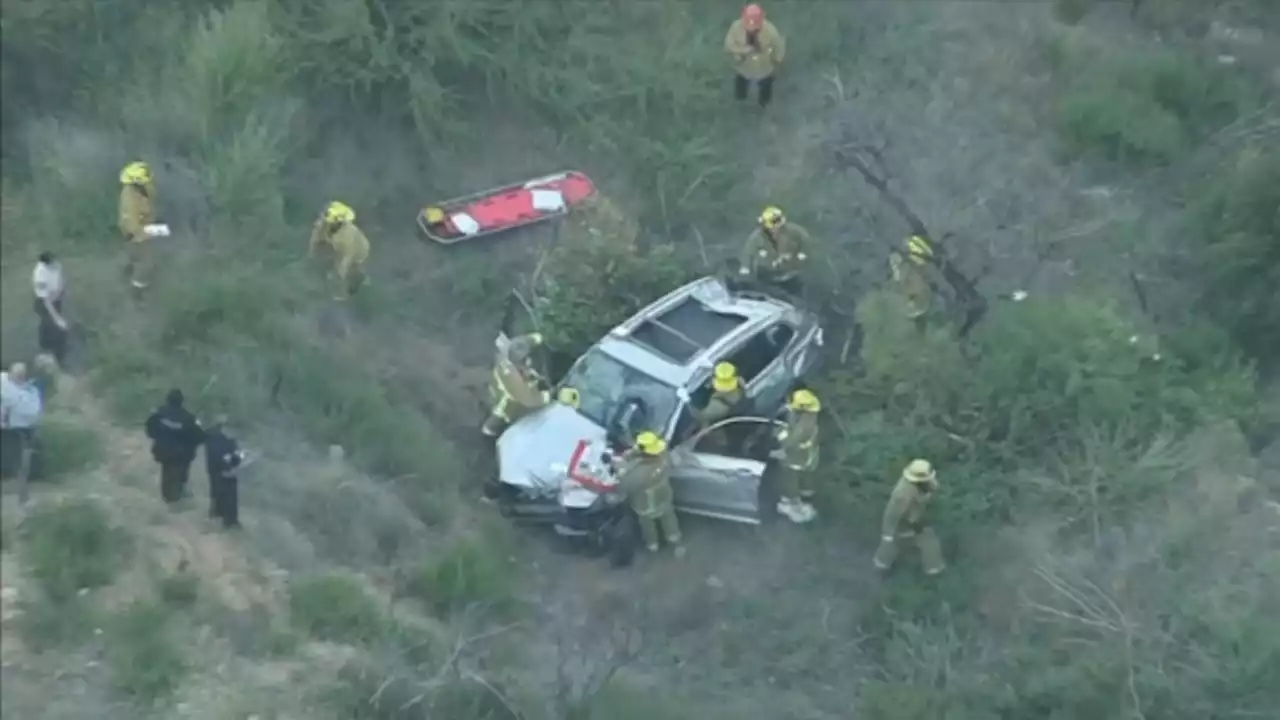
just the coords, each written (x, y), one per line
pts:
(622, 538)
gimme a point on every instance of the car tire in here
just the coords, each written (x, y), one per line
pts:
(622, 540)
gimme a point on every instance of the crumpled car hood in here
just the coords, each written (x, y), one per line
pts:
(529, 449)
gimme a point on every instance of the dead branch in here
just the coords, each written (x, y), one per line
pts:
(702, 248)
(972, 303)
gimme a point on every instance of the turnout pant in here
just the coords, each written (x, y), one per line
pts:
(51, 338)
(794, 484)
(666, 522)
(173, 480)
(924, 539)
(140, 264)
(741, 86)
(224, 500)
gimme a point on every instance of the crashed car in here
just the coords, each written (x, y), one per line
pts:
(649, 373)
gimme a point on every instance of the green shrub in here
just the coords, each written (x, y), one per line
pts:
(598, 275)
(47, 624)
(1040, 384)
(145, 659)
(1236, 220)
(67, 447)
(1145, 106)
(469, 573)
(335, 608)
(73, 545)
(1120, 126)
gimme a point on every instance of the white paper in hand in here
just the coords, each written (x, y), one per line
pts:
(157, 230)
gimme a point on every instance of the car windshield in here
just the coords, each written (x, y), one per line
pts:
(606, 386)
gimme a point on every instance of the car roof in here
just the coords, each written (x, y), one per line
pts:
(679, 337)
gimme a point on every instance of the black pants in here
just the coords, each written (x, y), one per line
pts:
(173, 480)
(52, 339)
(224, 500)
(741, 85)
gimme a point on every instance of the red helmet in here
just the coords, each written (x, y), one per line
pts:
(753, 16)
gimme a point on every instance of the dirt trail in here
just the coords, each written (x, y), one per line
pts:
(240, 590)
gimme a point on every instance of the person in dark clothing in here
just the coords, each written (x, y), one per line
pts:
(175, 434)
(223, 459)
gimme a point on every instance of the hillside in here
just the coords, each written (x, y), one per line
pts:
(1110, 518)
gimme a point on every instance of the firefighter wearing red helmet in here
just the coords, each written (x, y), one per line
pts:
(757, 49)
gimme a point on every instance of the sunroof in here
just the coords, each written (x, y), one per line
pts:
(686, 330)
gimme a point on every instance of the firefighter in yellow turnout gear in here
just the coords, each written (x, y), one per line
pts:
(798, 451)
(777, 252)
(909, 278)
(137, 211)
(336, 227)
(904, 519)
(726, 394)
(644, 476)
(515, 388)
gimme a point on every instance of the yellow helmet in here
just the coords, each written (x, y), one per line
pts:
(725, 378)
(804, 401)
(918, 249)
(569, 396)
(135, 173)
(336, 212)
(919, 471)
(650, 443)
(434, 215)
(772, 218)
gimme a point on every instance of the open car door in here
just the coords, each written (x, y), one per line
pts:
(709, 481)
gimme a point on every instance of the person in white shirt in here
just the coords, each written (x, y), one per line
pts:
(20, 409)
(49, 285)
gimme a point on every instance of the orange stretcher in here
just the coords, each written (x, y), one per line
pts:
(504, 208)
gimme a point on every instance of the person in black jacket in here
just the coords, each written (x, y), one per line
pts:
(223, 459)
(175, 435)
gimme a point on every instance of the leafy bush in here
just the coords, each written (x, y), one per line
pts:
(337, 609)
(67, 447)
(73, 545)
(469, 573)
(1237, 221)
(145, 660)
(47, 625)
(1039, 384)
(600, 274)
(1144, 107)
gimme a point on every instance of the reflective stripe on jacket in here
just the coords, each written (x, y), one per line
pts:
(514, 392)
(798, 441)
(777, 255)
